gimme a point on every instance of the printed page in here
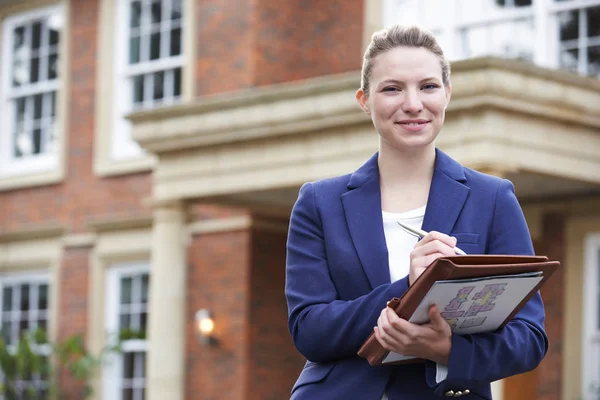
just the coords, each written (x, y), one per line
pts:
(473, 306)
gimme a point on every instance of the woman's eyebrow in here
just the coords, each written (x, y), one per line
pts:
(395, 81)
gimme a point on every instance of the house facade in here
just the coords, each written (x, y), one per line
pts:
(151, 151)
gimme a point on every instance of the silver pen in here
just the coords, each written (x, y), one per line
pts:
(420, 233)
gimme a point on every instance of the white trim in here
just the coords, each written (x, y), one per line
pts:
(111, 378)
(591, 310)
(9, 165)
(122, 146)
(29, 278)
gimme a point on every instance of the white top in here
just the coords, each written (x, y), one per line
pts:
(399, 244)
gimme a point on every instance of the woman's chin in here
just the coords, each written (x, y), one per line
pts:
(410, 143)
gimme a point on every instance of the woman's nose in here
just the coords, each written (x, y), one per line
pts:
(412, 103)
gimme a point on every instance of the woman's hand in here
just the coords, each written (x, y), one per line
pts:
(431, 341)
(433, 246)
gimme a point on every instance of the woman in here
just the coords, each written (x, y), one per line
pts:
(346, 255)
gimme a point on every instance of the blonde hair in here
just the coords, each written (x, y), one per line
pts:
(396, 36)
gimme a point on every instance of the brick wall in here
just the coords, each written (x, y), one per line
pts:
(250, 43)
(274, 362)
(73, 302)
(239, 275)
(82, 195)
(553, 244)
(219, 265)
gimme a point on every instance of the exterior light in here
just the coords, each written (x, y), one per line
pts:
(205, 326)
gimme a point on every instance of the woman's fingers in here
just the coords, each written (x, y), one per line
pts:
(435, 235)
(431, 247)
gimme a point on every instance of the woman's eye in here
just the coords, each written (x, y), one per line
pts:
(430, 86)
(390, 89)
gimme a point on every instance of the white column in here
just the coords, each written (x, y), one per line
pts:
(166, 331)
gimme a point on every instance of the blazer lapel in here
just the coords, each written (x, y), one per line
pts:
(362, 207)
(447, 195)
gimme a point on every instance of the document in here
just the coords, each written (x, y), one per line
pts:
(473, 305)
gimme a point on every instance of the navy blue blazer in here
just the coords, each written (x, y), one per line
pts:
(338, 281)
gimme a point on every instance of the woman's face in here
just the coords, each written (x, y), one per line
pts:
(407, 99)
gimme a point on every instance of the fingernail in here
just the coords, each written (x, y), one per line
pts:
(454, 240)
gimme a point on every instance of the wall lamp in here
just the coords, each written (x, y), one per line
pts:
(205, 326)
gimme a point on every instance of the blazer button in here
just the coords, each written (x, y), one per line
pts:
(458, 393)
(449, 393)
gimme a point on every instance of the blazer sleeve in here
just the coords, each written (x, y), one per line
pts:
(522, 343)
(323, 327)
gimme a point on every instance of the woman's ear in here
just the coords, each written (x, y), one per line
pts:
(363, 102)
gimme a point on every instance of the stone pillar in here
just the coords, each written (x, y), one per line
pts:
(166, 361)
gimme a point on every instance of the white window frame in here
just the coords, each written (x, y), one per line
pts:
(9, 166)
(122, 145)
(591, 311)
(28, 278)
(112, 380)
(544, 13)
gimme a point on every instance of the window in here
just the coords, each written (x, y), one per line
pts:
(591, 339)
(28, 91)
(127, 300)
(553, 33)
(24, 306)
(579, 33)
(149, 63)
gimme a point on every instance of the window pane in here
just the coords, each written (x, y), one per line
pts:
(54, 36)
(53, 104)
(569, 25)
(36, 35)
(136, 14)
(53, 66)
(472, 10)
(7, 299)
(37, 140)
(43, 297)
(24, 298)
(126, 284)
(37, 106)
(593, 21)
(18, 37)
(43, 324)
(134, 50)
(155, 46)
(140, 365)
(124, 322)
(144, 323)
(177, 82)
(569, 59)
(145, 282)
(6, 330)
(34, 69)
(175, 48)
(158, 89)
(176, 10)
(23, 324)
(156, 11)
(128, 365)
(138, 89)
(127, 394)
(508, 39)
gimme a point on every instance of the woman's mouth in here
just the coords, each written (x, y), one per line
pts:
(413, 125)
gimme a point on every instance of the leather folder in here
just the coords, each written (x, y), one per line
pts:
(455, 268)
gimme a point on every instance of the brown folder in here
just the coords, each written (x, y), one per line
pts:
(454, 268)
